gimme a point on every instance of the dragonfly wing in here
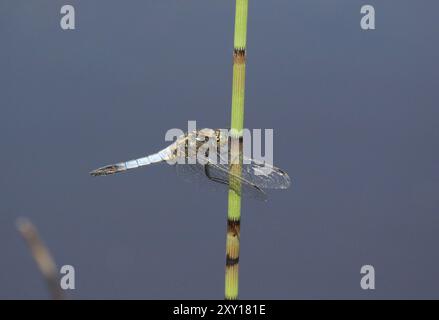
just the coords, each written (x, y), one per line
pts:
(261, 174)
(221, 174)
(265, 175)
(217, 177)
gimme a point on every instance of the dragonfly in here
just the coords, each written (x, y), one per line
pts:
(217, 166)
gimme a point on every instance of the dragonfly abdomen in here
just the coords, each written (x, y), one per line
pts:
(131, 164)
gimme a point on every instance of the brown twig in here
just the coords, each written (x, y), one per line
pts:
(42, 257)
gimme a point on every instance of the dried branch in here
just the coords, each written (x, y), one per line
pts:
(42, 257)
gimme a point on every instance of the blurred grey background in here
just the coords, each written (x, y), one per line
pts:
(356, 125)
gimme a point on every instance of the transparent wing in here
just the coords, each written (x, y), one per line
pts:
(263, 175)
(216, 177)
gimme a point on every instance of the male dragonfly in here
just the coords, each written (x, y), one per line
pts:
(250, 180)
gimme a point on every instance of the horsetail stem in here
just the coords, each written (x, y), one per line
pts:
(237, 125)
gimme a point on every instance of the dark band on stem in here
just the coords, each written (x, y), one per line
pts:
(234, 227)
(231, 261)
(239, 55)
(233, 230)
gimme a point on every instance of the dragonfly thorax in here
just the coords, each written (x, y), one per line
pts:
(198, 145)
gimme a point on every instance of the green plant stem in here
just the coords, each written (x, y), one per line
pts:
(237, 125)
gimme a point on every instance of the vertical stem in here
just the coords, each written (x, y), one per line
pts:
(237, 125)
